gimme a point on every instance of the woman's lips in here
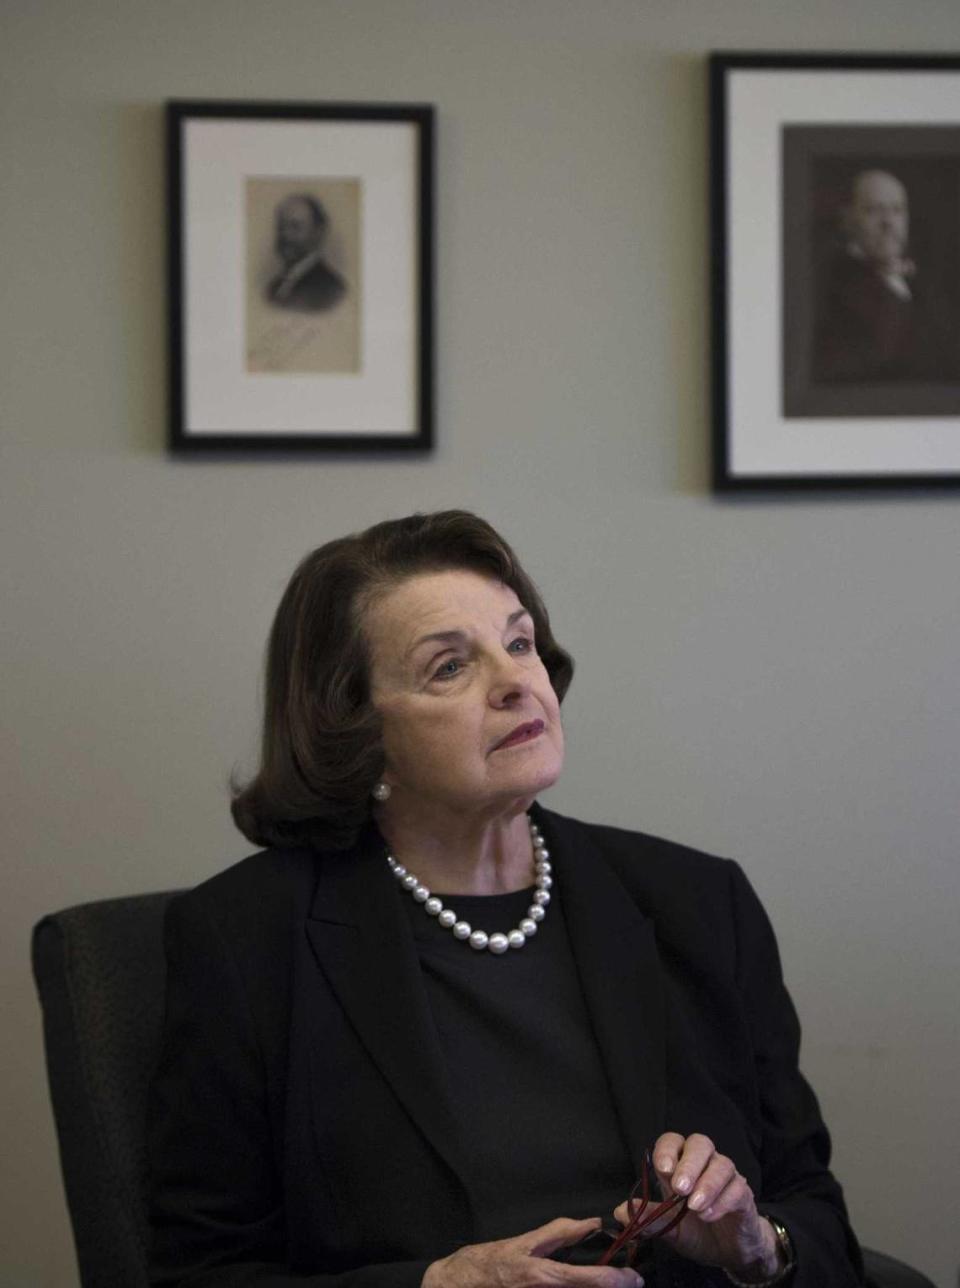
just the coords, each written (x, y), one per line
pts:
(522, 733)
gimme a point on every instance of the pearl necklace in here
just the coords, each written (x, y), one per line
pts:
(479, 939)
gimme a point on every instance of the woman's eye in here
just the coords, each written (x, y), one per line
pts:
(521, 645)
(448, 669)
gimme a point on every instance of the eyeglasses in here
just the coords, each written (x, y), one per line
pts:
(648, 1219)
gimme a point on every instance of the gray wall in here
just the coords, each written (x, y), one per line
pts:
(773, 679)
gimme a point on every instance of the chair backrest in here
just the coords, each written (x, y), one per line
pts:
(100, 973)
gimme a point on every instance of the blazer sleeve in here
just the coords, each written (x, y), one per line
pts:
(217, 1202)
(798, 1188)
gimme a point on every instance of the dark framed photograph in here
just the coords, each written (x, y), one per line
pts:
(301, 279)
(835, 209)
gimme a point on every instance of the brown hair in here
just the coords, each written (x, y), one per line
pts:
(322, 750)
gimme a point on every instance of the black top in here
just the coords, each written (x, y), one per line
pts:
(524, 1069)
(301, 1129)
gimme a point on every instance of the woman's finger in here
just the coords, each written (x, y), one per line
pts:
(736, 1196)
(558, 1233)
(590, 1276)
(666, 1153)
(521, 1262)
(694, 1157)
(711, 1182)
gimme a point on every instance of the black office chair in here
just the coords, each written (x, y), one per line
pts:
(99, 969)
(100, 973)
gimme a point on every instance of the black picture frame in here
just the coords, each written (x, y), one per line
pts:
(300, 260)
(800, 147)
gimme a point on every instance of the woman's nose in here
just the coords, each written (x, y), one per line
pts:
(511, 683)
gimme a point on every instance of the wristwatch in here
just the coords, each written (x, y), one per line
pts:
(785, 1244)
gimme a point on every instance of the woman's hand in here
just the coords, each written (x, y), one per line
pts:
(521, 1262)
(722, 1226)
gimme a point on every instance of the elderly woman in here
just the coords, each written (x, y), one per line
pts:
(429, 1034)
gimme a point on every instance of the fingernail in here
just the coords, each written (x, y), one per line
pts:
(665, 1163)
(682, 1184)
(697, 1201)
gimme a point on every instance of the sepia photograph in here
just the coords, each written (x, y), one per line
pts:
(835, 247)
(300, 276)
(871, 281)
(303, 274)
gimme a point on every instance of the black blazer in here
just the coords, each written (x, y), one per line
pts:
(300, 1131)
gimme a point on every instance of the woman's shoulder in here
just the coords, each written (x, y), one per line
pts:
(268, 888)
(641, 853)
(231, 944)
(701, 905)
(685, 891)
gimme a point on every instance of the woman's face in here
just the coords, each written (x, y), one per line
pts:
(470, 719)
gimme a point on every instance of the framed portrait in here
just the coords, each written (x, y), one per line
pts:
(301, 280)
(835, 219)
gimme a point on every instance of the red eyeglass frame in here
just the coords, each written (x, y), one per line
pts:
(644, 1213)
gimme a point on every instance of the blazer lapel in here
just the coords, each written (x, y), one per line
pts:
(364, 947)
(615, 951)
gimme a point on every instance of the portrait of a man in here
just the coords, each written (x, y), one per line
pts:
(871, 271)
(880, 314)
(305, 280)
(304, 274)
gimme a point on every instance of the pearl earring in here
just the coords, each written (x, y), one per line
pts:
(381, 792)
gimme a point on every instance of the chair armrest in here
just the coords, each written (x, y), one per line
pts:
(886, 1272)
